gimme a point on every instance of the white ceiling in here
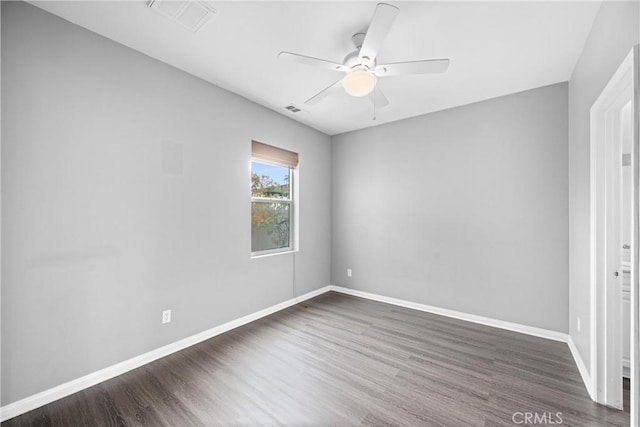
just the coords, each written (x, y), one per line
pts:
(496, 48)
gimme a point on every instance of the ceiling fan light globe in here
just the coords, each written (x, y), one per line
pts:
(359, 83)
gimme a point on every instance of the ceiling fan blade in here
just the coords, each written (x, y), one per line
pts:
(334, 88)
(377, 98)
(314, 62)
(378, 29)
(426, 66)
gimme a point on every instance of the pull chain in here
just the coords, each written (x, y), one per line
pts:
(374, 103)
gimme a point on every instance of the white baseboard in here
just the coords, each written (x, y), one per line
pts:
(626, 368)
(515, 327)
(582, 368)
(47, 396)
(40, 399)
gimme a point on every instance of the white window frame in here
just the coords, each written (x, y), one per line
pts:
(293, 175)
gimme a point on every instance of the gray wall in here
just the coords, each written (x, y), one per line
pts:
(98, 236)
(615, 31)
(464, 209)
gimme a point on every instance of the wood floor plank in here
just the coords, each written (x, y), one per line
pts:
(343, 360)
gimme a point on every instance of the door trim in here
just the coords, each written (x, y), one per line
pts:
(606, 357)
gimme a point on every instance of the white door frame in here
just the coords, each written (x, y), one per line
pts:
(606, 246)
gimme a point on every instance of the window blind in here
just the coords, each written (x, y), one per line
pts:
(272, 154)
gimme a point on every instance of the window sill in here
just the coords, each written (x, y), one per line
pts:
(270, 254)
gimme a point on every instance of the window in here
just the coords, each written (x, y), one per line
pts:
(272, 203)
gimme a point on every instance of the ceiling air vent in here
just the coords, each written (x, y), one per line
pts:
(293, 108)
(190, 14)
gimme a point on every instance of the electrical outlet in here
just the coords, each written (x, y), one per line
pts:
(166, 316)
(348, 272)
(578, 324)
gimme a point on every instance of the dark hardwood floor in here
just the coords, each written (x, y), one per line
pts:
(341, 360)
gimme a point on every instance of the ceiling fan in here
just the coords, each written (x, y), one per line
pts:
(360, 66)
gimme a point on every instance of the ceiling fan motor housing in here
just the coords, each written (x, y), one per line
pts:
(353, 58)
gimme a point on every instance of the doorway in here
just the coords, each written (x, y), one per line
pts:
(614, 237)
